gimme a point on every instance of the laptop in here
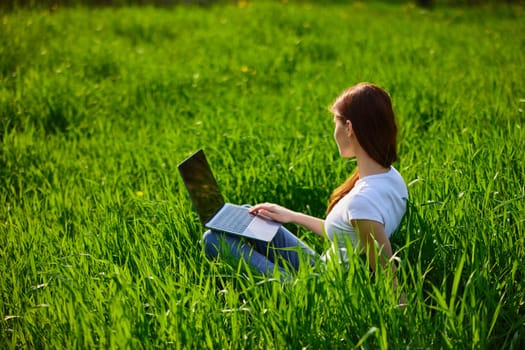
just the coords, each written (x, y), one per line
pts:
(211, 208)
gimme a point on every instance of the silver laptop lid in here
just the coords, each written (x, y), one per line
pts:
(201, 185)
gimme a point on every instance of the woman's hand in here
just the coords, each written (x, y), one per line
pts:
(273, 212)
(283, 215)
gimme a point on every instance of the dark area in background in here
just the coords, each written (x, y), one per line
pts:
(55, 4)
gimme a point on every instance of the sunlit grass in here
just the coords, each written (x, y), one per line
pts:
(99, 245)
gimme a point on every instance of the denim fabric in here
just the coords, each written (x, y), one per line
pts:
(284, 250)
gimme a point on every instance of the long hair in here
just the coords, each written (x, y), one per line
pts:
(369, 109)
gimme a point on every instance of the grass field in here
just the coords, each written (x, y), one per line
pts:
(98, 240)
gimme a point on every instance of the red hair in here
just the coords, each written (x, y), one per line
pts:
(369, 109)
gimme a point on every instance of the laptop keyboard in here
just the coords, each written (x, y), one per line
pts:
(233, 219)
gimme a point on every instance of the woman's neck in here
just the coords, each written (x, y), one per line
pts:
(367, 166)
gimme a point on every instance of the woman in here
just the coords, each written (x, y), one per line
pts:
(364, 211)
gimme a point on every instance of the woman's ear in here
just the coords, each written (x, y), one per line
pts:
(349, 129)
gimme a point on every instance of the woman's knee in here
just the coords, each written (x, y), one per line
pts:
(211, 241)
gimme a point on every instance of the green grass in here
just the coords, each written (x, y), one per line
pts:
(98, 240)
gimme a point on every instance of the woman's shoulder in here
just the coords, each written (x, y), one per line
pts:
(384, 183)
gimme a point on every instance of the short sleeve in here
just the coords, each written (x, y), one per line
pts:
(362, 208)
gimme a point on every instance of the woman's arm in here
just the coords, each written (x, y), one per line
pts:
(283, 215)
(371, 232)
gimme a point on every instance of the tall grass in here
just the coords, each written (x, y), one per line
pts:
(99, 245)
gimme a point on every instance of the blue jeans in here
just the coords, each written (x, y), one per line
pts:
(283, 251)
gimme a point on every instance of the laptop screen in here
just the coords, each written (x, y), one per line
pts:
(201, 185)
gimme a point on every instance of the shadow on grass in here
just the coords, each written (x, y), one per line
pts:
(53, 5)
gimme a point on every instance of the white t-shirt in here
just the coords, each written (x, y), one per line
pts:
(379, 197)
